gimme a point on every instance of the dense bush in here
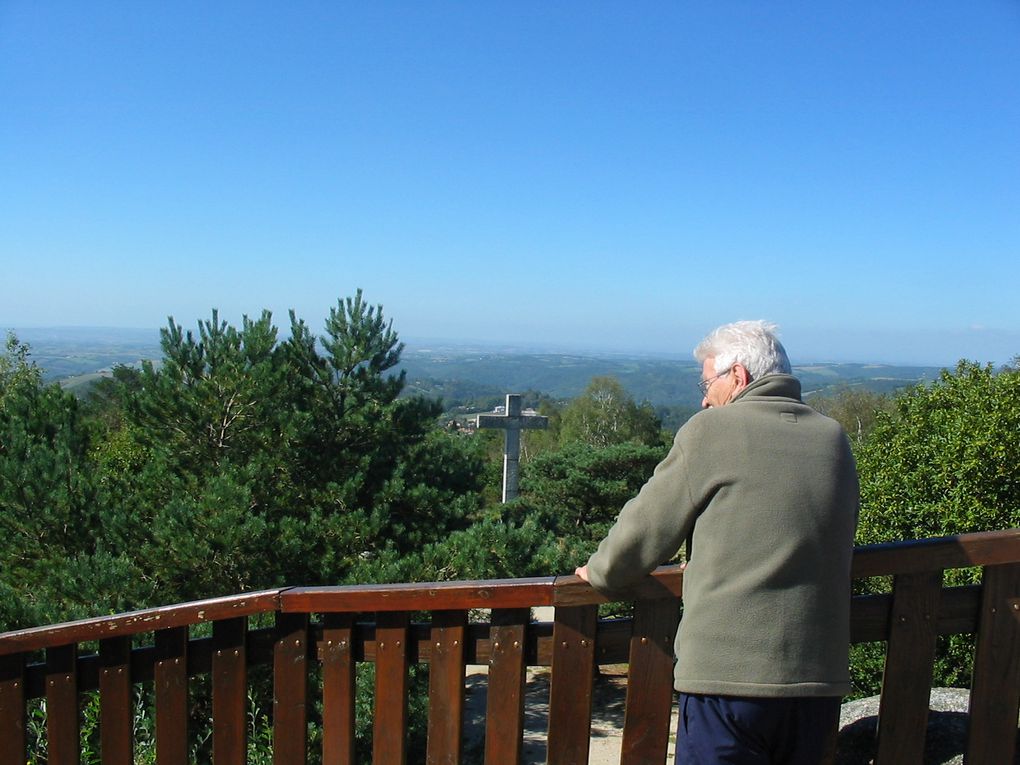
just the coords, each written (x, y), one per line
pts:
(945, 460)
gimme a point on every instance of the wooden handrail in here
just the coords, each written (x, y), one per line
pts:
(984, 548)
(427, 596)
(334, 627)
(137, 622)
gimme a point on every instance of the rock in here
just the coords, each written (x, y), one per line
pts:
(945, 740)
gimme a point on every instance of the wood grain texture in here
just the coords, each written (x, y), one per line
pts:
(62, 718)
(650, 683)
(504, 718)
(336, 654)
(230, 691)
(12, 710)
(494, 593)
(290, 690)
(570, 692)
(116, 710)
(170, 676)
(446, 688)
(136, 622)
(914, 556)
(995, 691)
(389, 735)
(910, 657)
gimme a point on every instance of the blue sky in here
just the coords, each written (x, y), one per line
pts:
(587, 175)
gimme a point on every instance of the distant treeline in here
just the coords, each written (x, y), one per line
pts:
(474, 379)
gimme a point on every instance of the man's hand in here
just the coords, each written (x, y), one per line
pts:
(581, 572)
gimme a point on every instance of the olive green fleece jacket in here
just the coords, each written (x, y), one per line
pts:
(768, 487)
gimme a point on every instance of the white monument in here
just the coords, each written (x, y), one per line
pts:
(512, 422)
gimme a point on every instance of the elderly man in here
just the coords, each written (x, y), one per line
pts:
(765, 490)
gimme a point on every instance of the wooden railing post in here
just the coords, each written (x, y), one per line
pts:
(389, 735)
(12, 710)
(290, 690)
(336, 653)
(995, 689)
(504, 718)
(230, 691)
(650, 682)
(116, 711)
(63, 726)
(573, 665)
(446, 687)
(910, 657)
(170, 675)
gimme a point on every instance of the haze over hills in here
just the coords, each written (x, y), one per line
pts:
(660, 381)
(475, 376)
(69, 352)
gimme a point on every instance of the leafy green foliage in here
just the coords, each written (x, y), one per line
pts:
(606, 414)
(856, 408)
(945, 460)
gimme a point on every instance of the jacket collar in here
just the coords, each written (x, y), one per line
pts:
(772, 386)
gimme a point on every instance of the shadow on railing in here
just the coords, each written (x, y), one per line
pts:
(320, 635)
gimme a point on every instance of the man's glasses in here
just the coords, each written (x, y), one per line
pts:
(704, 385)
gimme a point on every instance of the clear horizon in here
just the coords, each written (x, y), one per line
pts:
(613, 177)
(423, 344)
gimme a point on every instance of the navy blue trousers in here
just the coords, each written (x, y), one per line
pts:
(739, 730)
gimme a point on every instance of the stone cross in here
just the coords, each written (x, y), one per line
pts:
(512, 422)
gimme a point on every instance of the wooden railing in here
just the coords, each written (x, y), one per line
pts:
(320, 634)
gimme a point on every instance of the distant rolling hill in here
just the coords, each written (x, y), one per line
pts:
(459, 376)
(66, 354)
(471, 377)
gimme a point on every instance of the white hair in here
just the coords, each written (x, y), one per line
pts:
(752, 344)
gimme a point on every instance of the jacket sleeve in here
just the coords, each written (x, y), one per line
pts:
(651, 527)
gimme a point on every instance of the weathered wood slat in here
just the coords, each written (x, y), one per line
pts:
(910, 657)
(12, 710)
(149, 620)
(650, 682)
(504, 718)
(446, 687)
(871, 615)
(229, 691)
(290, 690)
(116, 711)
(570, 692)
(430, 596)
(143, 662)
(336, 654)
(62, 719)
(170, 676)
(389, 733)
(612, 646)
(995, 690)
(958, 609)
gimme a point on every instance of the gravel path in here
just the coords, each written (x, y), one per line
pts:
(608, 700)
(609, 697)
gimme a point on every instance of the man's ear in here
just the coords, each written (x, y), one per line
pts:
(741, 375)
